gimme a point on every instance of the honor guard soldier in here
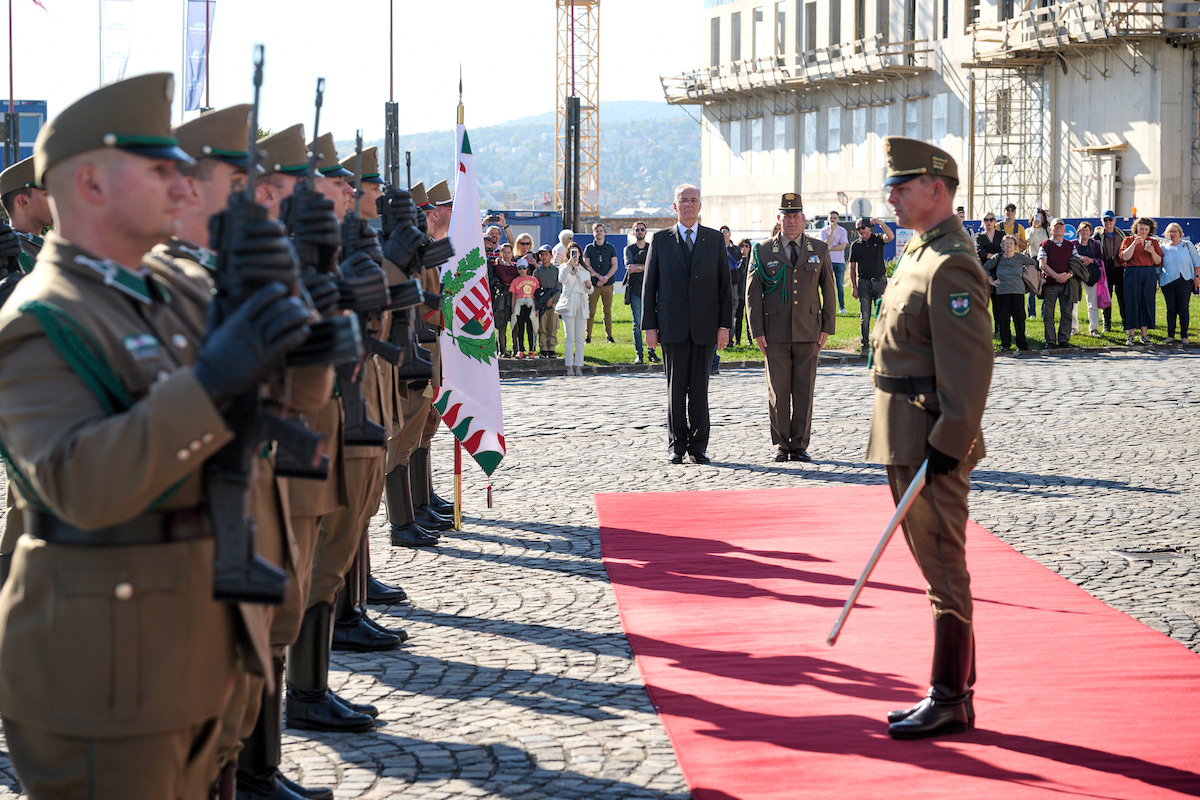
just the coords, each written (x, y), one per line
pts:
(791, 308)
(28, 208)
(116, 663)
(932, 345)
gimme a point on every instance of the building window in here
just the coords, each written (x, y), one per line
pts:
(810, 26)
(762, 45)
(858, 120)
(860, 19)
(714, 47)
(756, 146)
(912, 119)
(945, 19)
(756, 216)
(940, 128)
(835, 21)
(781, 148)
(735, 36)
(972, 15)
(1006, 9)
(883, 18)
(810, 141)
(833, 143)
(910, 20)
(780, 27)
(735, 148)
(883, 129)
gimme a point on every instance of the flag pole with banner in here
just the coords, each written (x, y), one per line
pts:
(469, 397)
(197, 34)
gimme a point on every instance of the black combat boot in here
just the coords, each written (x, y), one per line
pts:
(310, 705)
(948, 707)
(418, 473)
(258, 775)
(437, 504)
(350, 629)
(904, 713)
(405, 531)
(377, 592)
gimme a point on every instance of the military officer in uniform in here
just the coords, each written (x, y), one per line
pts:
(791, 307)
(932, 346)
(28, 208)
(116, 663)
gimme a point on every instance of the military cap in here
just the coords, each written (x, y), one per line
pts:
(439, 194)
(912, 158)
(327, 160)
(369, 166)
(18, 176)
(133, 115)
(791, 202)
(420, 199)
(284, 151)
(223, 135)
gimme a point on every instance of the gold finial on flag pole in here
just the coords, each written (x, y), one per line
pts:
(460, 103)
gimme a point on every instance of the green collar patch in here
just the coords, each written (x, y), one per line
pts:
(960, 303)
(119, 277)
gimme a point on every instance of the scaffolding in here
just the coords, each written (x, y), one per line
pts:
(578, 75)
(1010, 155)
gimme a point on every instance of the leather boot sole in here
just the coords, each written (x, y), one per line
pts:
(905, 713)
(358, 637)
(933, 718)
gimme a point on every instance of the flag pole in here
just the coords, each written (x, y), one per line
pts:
(208, 51)
(457, 443)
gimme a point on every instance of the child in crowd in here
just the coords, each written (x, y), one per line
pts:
(523, 288)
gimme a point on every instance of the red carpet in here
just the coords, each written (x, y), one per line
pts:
(727, 598)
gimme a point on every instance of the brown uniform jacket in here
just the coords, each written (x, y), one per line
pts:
(933, 322)
(109, 641)
(811, 307)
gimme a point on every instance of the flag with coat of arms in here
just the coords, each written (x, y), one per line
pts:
(469, 397)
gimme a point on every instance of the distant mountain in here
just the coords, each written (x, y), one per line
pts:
(646, 149)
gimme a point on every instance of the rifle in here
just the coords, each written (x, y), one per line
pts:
(239, 573)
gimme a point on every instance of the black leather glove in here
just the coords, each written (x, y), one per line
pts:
(422, 222)
(240, 352)
(399, 211)
(262, 254)
(359, 237)
(401, 248)
(10, 247)
(322, 289)
(435, 252)
(363, 287)
(314, 228)
(939, 462)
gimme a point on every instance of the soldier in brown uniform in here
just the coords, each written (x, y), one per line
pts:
(791, 308)
(115, 661)
(28, 208)
(932, 346)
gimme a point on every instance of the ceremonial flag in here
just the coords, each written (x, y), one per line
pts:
(469, 398)
(116, 29)
(200, 15)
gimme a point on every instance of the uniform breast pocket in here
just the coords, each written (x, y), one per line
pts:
(910, 311)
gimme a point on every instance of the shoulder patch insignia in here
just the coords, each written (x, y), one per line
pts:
(960, 303)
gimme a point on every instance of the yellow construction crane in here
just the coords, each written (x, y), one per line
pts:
(577, 143)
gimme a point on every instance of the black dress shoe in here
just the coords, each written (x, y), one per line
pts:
(403, 634)
(357, 708)
(319, 793)
(781, 454)
(273, 785)
(320, 712)
(905, 713)
(359, 637)
(700, 458)
(441, 506)
(412, 536)
(800, 455)
(431, 521)
(933, 717)
(379, 593)
(676, 458)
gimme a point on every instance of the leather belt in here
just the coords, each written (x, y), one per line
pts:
(906, 385)
(154, 527)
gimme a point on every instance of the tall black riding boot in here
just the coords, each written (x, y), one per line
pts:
(405, 530)
(948, 707)
(258, 775)
(418, 473)
(436, 504)
(378, 592)
(350, 629)
(310, 705)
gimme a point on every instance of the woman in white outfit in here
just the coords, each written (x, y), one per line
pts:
(573, 307)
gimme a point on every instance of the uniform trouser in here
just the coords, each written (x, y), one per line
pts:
(433, 421)
(170, 765)
(239, 718)
(600, 293)
(285, 626)
(575, 327)
(548, 330)
(1010, 316)
(936, 531)
(342, 531)
(869, 290)
(791, 377)
(414, 411)
(687, 366)
(1178, 294)
(1056, 294)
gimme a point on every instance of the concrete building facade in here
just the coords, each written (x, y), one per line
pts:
(1074, 106)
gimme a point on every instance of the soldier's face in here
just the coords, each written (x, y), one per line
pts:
(912, 201)
(146, 197)
(213, 194)
(366, 205)
(791, 223)
(39, 208)
(337, 191)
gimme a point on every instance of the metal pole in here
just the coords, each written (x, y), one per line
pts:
(392, 51)
(971, 152)
(207, 50)
(10, 58)
(457, 484)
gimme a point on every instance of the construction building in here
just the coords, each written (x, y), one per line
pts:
(1075, 107)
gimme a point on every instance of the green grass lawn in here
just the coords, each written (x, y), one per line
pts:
(846, 338)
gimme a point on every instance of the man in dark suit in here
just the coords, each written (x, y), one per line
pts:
(688, 305)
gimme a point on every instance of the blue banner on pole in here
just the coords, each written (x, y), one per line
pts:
(199, 33)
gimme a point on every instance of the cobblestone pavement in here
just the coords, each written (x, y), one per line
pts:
(517, 681)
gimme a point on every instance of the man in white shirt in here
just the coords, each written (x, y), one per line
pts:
(838, 240)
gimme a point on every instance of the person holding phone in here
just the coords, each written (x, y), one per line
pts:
(573, 307)
(1142, 256)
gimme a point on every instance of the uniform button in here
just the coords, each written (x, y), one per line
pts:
(123, 590)
(180, 341)
(206, 438)
(184, 454)
(162, 375)
(195, 445)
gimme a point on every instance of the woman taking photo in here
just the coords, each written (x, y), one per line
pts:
(1039, 231)
(573, 307)
(1141, 256)
(1004, 270)
(1179, 276)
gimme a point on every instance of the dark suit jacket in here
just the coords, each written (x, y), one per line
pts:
(686, 297)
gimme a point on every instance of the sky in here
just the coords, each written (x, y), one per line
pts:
(506, 49)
